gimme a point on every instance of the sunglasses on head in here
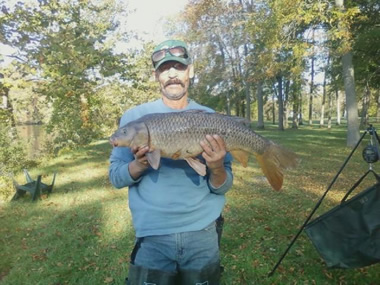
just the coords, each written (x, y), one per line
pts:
(174, 51)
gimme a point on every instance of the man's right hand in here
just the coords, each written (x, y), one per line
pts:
(140, 164)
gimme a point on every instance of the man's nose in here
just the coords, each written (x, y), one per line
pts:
(172, 72)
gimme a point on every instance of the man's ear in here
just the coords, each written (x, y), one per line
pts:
(154, 75)
(191, 71)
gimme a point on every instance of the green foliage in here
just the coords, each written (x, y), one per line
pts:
(67, 74)
(67, 47)
(114, 99)
(366, 46)
(12, 154)
(240, 42)
(13, 157)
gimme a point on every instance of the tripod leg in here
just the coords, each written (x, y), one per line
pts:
(316, 207)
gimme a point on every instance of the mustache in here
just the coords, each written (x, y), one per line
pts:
(174, 81)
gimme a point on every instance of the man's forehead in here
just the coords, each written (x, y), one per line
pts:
(170, 43)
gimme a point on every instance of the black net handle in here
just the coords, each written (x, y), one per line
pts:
(316, 207)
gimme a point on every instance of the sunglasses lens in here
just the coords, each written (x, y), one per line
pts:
(174, 51)
(180, 67)
(158, 55)
(171, 64)
(178, 51)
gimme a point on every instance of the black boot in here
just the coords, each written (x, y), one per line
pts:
(140, 275)
(209, 275)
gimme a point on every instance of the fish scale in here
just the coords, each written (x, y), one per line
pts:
(177, 135)
(184, 131)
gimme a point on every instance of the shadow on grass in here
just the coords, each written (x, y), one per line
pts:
(80, 170)
(259, 225)
(54, 242)
(82, 233)
(92, 154)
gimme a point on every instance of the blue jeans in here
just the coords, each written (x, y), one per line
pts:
(180, 251)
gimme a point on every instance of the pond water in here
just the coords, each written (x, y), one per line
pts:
(33, 137)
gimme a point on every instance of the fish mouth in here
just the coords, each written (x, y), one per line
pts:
(113, 142)
(174, 82)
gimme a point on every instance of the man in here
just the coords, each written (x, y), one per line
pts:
(173, 208)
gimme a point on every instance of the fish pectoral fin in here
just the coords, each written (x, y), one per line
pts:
(241, 156)
(198, 166)
(154, 158)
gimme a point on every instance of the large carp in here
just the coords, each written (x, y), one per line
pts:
(177, 136)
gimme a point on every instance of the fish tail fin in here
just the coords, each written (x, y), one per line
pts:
(273, 161)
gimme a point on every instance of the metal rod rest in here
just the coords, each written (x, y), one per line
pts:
(318, 203)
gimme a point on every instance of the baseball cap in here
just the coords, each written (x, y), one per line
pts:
(170, 50)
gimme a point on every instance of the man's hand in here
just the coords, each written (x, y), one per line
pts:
(140, 164)
(214, 154)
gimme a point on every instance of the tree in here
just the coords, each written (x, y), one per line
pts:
(312, 74)
(66, 46)
(324, 95)
(348, 79)
(260, 106)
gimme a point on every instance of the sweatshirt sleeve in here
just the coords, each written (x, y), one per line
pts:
(119, 160)
(118, 171)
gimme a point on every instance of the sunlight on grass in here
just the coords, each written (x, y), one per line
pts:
(82, 233)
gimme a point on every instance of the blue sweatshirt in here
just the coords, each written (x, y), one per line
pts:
(173, 198)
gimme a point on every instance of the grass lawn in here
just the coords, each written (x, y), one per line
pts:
(82, 232)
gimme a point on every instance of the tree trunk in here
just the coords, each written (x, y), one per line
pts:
(243, 108)
(228, 102)
(295, 115)
(5, 101)
(247, 101)
(260, 106)
(247, 88)
(353, 134)
(237, 102)
(228, 94)
(311, 84)
(378, 105)
(85, 111)
(338, 114)
(274, 104)
(322, 119)
(296, 98)
(285, 104)
(300, 109)
(295, 121)
(280, 104)
(8, 106)
(329, 110)
(366, 101)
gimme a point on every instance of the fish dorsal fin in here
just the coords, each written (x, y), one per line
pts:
(240, 120)
(241, 156)
(154, 158)
(198, 166)
(196, 111)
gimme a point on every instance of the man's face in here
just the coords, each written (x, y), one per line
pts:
(174, 79)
